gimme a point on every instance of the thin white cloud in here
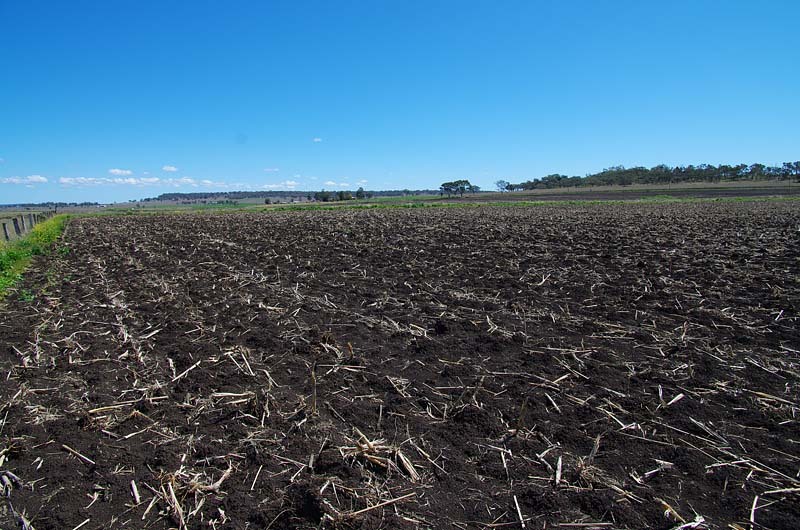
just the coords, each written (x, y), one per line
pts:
(29, 180)
(208, 183)
(177, 183)
(334, 184)
(169, 169)
(157, 182)
(120, 172)
(77, 181)
(137, 181)
(285, 185)
(94, 181)
(362, 181)
(271, 169)
(317, 140)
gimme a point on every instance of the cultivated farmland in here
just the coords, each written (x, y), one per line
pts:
(599, 366)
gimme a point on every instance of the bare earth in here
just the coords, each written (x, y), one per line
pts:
(599, 366)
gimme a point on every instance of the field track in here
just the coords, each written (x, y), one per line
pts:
(630, 366)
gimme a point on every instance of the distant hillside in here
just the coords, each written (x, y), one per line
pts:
(661, 174)
(239, 195)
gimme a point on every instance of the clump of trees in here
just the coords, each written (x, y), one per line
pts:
(503, 185)
(342, 195)
(661, 174)
(458, 187)
(276, 194)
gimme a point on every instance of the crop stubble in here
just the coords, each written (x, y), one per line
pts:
(573, 367)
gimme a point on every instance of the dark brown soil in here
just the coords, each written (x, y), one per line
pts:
(581, 367)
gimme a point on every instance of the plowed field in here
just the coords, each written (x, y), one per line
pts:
(554, 367)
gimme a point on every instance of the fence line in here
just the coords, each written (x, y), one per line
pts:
(16, 227)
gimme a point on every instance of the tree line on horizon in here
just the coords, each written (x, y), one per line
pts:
(661, 174)
(309, 195)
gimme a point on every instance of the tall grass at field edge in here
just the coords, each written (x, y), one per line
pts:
(16, 255)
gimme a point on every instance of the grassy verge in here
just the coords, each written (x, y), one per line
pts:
(16, 255)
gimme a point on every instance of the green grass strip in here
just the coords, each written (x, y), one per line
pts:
(16, 255)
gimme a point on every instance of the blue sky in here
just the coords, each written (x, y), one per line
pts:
(109, 101)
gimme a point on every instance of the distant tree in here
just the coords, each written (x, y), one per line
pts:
(789, 169)
(739, 171)
(267, 201)
(447, 187)
(323, 196)
(462, 186)
(755, 171)
(456, 187)
(502, 185)
(360, 193)
(474, 189)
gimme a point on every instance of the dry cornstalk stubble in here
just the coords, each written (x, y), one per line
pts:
(559, 367)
